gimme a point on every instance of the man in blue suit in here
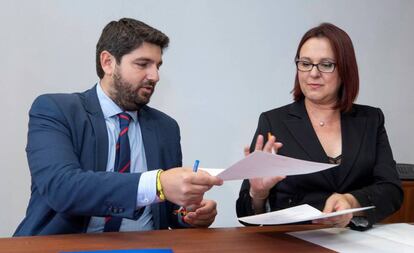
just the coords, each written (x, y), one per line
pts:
(72, 149)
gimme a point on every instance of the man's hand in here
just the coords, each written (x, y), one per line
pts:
(260, 187)
(203, 215)
(337, 202)
(184, 187)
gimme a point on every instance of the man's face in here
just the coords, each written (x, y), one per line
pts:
(135, 77)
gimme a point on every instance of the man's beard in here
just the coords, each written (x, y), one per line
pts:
(126, 95)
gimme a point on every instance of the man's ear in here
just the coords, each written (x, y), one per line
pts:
(108, 62)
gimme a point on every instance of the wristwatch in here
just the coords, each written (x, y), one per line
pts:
(359, 223)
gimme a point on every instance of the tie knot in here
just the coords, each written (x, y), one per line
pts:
(124, 119)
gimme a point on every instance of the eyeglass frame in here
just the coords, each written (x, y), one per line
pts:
(313, 65)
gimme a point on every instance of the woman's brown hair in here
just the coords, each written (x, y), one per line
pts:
(345, 63)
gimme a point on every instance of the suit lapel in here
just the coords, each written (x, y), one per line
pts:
(99, 126)
(353, 129)
(150, 140)
(301, 129)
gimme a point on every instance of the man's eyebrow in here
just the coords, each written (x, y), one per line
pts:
(147, 60)
(142, 59)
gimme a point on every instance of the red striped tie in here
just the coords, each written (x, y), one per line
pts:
(122, 164)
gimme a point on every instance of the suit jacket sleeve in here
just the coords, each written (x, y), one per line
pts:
(57, 172)
(385, 191)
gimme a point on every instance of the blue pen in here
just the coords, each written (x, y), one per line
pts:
(182, 211)
(195, 167)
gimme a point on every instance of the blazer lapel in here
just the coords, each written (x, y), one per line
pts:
(99, 126)
(301, 129)
(353, 129)
(150, 140)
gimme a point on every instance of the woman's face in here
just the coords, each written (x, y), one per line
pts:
(318, 87)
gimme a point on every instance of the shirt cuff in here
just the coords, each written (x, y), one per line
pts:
(147, 189)
(267, 206)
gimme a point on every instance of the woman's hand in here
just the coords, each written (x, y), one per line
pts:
(337, 202)
(260, 187)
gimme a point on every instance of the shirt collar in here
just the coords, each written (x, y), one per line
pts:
(109, 108)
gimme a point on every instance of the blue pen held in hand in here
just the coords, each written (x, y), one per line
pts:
(195, 167)
(182, 211)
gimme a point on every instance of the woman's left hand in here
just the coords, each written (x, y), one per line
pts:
(337, 202)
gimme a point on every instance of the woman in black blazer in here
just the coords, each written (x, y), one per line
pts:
(324, 125)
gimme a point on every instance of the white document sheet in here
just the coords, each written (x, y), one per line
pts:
(263, 164)
(382, 238)
(295, 214)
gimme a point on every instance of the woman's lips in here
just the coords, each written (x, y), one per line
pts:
(314, 85)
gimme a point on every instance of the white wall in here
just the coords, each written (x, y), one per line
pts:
(228, 61)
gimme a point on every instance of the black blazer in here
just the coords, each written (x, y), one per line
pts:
(367, 169)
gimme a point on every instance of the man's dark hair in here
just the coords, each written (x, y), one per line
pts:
(125, 35)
